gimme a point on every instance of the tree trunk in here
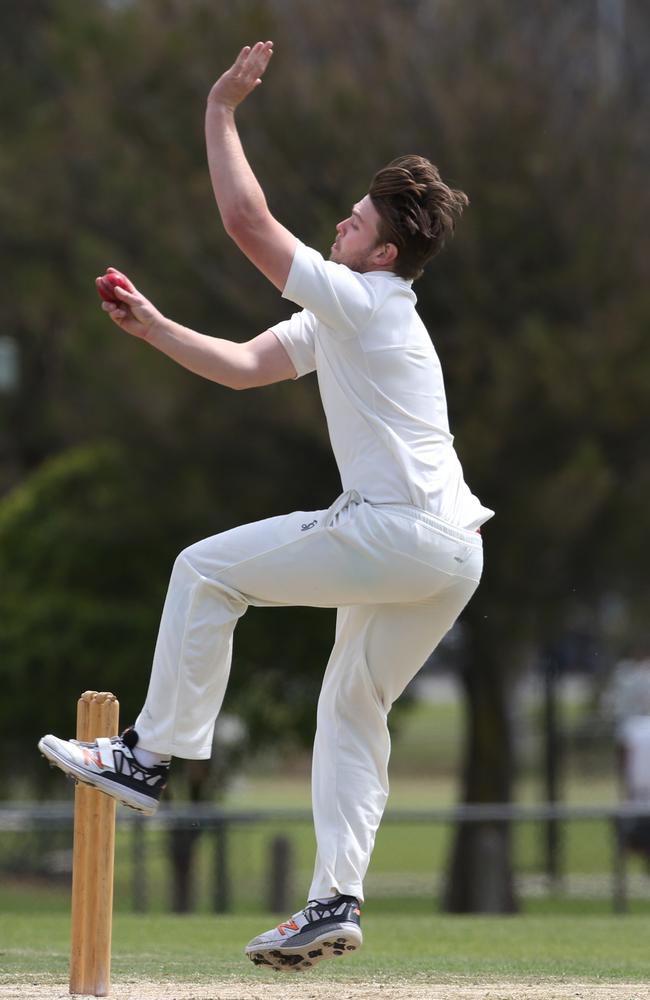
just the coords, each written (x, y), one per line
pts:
(480, 876)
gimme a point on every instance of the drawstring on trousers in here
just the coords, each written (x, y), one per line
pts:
(339, 505)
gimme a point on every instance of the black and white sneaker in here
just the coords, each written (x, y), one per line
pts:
(110, 765)
(322, 930)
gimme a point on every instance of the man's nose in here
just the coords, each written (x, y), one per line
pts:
(340, 227)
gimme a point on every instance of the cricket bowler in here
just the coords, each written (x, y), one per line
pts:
(398, 553)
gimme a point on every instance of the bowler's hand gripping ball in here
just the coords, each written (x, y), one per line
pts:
(106, 285)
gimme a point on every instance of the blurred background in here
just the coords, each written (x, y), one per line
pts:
(112, 459)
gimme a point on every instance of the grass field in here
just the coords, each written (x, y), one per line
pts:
(422, 956)
(558, 949)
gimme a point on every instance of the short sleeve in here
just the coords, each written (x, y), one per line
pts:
(341, 298)
(297, 336)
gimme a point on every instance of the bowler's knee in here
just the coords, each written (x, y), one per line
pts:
(201, 567)
(190, 562)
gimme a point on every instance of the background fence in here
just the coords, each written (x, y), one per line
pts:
(242, 861)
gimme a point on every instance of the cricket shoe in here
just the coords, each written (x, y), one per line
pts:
(321, 930)
(109, 764)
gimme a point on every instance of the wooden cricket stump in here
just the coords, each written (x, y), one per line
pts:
(93, 859)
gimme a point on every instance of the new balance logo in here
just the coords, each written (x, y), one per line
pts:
(92, 758)
(288, 925)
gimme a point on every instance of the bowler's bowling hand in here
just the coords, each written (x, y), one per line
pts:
(244, 76)
(125, 305)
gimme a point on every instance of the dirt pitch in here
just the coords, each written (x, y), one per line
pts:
(303, 990)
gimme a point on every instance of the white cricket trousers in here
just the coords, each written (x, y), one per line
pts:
(399, 578)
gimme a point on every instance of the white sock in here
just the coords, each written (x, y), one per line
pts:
(148, 758)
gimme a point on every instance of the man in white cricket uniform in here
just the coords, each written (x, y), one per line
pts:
(398, 554)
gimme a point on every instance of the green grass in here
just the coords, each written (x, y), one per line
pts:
(427, 948)
(428, 738)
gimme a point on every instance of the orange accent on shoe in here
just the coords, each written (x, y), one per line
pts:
(290, 925)
(92, 758)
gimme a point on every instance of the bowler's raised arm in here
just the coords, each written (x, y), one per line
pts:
(244, 211)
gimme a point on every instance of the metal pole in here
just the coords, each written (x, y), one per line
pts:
(619, 873)
(139, 856)
(221, 879)
(551, 763)
(280, 863)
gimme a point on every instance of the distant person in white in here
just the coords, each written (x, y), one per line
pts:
(628, 700)
(634, 741)
(399, 553)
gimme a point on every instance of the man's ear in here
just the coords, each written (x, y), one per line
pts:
(385, 255)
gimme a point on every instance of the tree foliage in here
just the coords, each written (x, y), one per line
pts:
(86, 544)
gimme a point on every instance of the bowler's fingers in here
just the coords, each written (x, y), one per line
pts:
(130, 298)
(262, 57)
(254, 61)
(114, 270)
(115, 312)
(241, 58)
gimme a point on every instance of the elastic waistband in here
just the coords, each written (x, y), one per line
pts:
(467, 535)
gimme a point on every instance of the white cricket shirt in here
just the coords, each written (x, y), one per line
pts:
(381, 385)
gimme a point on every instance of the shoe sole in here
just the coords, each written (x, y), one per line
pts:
(140, 803)
(333, 942)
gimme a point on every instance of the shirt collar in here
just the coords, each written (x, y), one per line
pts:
(389, 274)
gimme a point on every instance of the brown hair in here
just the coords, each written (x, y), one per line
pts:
(417, 211)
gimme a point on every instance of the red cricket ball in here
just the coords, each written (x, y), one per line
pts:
(106, 285)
